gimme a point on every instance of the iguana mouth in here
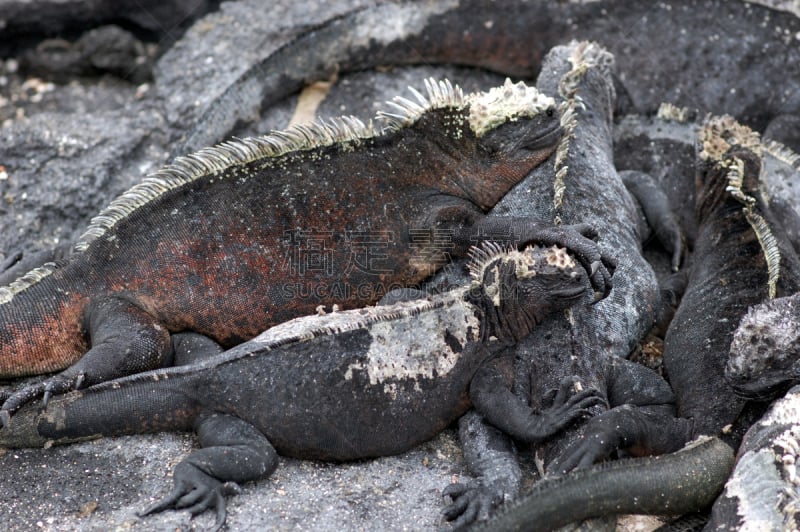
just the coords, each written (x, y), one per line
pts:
(546, 140)
(760, 390)
(570, 294)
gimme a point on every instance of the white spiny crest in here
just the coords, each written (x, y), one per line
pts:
(717, 136)
(669, 111)
(585, 55)
(487, 109)
(216, 159)
(569, 121)
(735, 177)
(719, 133)
(782, 153)
(441, 94)
(769, 246)
(481, 256)
(32, 277)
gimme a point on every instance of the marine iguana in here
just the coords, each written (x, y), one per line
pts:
(234, 238)
(763, 491)
(691, 51)
(340, 386)
(740, 258)
(579, 183)
(765, 351)
(663, 147)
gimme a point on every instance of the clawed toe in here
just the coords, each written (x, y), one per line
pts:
(56, 385)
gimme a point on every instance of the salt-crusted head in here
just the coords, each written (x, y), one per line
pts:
(492, 138)
(517, 289)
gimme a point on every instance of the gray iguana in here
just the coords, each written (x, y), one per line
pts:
(578, 183)
(235, 238)
(344, 385)
(763, 491)
(740, 258)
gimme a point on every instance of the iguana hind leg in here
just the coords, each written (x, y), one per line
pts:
(125, 340)
(232, 451)
(192, 347)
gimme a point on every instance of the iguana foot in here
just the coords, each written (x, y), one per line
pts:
(603, 435)
(580, 239)
(471, 501)
(568, 403)
(57, 384)
(195, 492)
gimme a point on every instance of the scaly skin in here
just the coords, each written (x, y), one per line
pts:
(223, 243)
(762, 491)
(587, 346)
(765, 351)
(733, 267)
(678, 482)
(728, 272)
(341, 386)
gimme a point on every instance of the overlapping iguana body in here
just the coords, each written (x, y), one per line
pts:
(345, 385)
(765, 350)
(663, 146)
(763, 491)
(588, 346)
(740, 258)
(690, 53)
(235, 238)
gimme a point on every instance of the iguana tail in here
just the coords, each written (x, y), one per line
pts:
(671, 484)
(147, 402)
(42, 321)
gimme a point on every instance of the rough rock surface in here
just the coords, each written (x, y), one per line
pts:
(66, 149)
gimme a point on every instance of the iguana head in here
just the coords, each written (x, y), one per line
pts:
(491, 139)
(764, 356)
(518, 289)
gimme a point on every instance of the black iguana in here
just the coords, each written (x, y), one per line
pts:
(740, 258)
(237, 237)
(578, 183)
(340, 386)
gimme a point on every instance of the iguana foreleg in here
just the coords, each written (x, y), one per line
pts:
(521, 231)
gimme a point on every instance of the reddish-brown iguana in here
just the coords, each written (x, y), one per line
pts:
(345, 385)
(235, 238)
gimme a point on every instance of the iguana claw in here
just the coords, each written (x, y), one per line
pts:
(195, 492)
(55, 385)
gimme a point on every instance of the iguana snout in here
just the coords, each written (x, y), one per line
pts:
(521, 287)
